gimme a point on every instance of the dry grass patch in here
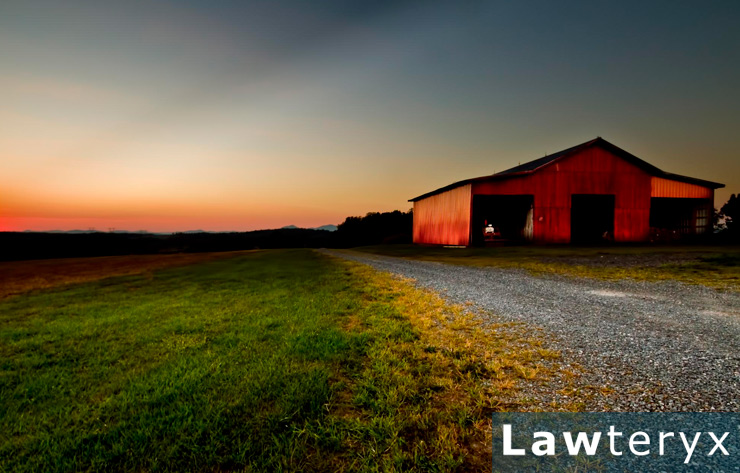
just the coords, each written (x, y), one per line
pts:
(713, 266)
(433, 377)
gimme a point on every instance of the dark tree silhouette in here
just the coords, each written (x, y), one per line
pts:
(22, 245)
(376, 228)
(731, 212)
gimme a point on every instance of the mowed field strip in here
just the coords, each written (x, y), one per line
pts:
(284, 360)
(17, 277)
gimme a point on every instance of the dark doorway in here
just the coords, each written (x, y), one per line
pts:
(591, 218)
(510, 215)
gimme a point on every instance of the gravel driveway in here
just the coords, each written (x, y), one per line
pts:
(662, 346)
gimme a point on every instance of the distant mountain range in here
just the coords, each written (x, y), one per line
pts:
(141, 232)
(328, 228)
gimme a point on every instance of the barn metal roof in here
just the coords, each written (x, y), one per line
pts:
(537, 164)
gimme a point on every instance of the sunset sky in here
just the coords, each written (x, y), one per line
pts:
(240, 115)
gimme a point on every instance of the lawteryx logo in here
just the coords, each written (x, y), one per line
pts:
(639, 443)
(623, 442)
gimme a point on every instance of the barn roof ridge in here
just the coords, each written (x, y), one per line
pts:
(537, 164)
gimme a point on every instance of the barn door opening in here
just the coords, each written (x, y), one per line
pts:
(509, 217)
(591, 218)
(674, 218)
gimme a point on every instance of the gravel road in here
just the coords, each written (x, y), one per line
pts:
(662, 346)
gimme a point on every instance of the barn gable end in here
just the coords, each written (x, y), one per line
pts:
(444, 219)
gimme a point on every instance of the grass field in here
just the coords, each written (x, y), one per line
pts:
(17, 277)
(265, 361)
(713, 266)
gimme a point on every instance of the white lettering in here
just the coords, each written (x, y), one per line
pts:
(645, 441)
(639, 443)
(507, 443)
(582, 439)
(718, 444)
(663, 436)
(611, 436)
(548, 444)
(689, 450)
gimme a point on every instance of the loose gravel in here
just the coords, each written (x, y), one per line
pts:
(663, 346)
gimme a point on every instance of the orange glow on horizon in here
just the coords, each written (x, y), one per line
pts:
(154, 225)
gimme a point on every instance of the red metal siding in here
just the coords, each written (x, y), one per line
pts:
(589, 171)
(669, 188)
(444, 219)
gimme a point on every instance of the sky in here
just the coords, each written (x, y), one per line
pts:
(221, 115)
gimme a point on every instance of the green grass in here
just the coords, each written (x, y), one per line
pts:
(713, 266)
(270, 361)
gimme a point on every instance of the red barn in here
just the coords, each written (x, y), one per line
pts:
(592, 192)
